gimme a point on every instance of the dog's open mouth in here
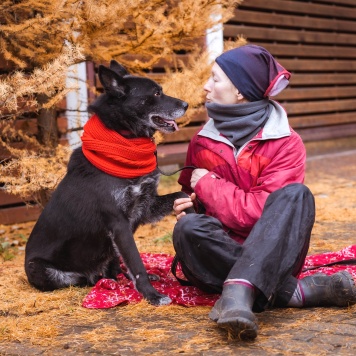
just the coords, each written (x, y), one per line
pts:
(164, 124)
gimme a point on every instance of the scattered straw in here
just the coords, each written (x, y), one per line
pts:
(57, 320)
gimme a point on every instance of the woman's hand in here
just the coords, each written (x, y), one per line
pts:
(181, 204)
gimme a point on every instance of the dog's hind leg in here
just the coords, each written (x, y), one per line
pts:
(46, 277)
(125, 242)
(113, 269)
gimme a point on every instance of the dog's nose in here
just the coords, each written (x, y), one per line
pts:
(185, 105)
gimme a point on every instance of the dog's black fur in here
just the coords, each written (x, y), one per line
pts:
(91, 217)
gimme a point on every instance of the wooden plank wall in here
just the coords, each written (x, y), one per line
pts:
(13, 209)
(316, 42)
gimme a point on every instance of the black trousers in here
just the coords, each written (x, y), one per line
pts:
(270, 258)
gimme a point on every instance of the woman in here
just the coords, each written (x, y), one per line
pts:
(254, 217)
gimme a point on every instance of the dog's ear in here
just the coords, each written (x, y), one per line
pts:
(118, 68)
(112, 82)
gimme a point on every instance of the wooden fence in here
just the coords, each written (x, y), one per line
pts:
(315, 40)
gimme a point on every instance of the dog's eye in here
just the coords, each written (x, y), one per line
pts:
(157, 93)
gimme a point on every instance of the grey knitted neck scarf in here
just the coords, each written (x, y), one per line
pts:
(240, 122)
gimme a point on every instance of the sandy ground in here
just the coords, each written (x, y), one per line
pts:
(34, 323)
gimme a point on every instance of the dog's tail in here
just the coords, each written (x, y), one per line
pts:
(46, 277)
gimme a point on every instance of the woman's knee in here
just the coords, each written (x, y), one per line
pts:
(184, 228)
(293, 192)
(297, 189)
(185, 221)
(192, 228)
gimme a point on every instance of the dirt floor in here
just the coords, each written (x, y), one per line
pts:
(34, 323)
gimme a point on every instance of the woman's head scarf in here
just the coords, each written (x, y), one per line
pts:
(254, 72)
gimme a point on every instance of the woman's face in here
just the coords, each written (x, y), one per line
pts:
(220, 90)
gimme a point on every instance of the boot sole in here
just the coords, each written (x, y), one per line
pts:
(239, 328)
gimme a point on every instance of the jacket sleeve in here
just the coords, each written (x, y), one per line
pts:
(184, 178)
(238, 209)
(186, 174)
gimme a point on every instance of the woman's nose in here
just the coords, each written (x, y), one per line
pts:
(207, 86)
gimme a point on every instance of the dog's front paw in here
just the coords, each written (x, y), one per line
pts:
(159, 299)
(190, 210)
(165, 300)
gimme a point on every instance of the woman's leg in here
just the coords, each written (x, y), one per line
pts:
(277, 246)
(205, 251)
(274, 250)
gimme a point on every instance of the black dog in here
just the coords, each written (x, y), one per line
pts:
(91, 217)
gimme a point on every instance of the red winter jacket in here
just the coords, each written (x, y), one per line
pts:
(238, 183)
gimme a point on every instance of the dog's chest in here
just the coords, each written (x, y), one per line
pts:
(135, 198)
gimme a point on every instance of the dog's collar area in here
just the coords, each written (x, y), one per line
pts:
(115, 154)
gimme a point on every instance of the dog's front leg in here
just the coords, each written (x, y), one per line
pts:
(163, 205)
(125, 242)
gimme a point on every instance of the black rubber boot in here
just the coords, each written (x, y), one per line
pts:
(233, 311)
(321, 290)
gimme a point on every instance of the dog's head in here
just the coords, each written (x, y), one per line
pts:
(134, 103)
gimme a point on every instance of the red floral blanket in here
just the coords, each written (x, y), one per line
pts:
(108, 293)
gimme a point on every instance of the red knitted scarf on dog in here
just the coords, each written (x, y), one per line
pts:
(116, 155)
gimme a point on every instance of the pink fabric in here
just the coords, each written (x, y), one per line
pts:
(347, 253)
(108, 293)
